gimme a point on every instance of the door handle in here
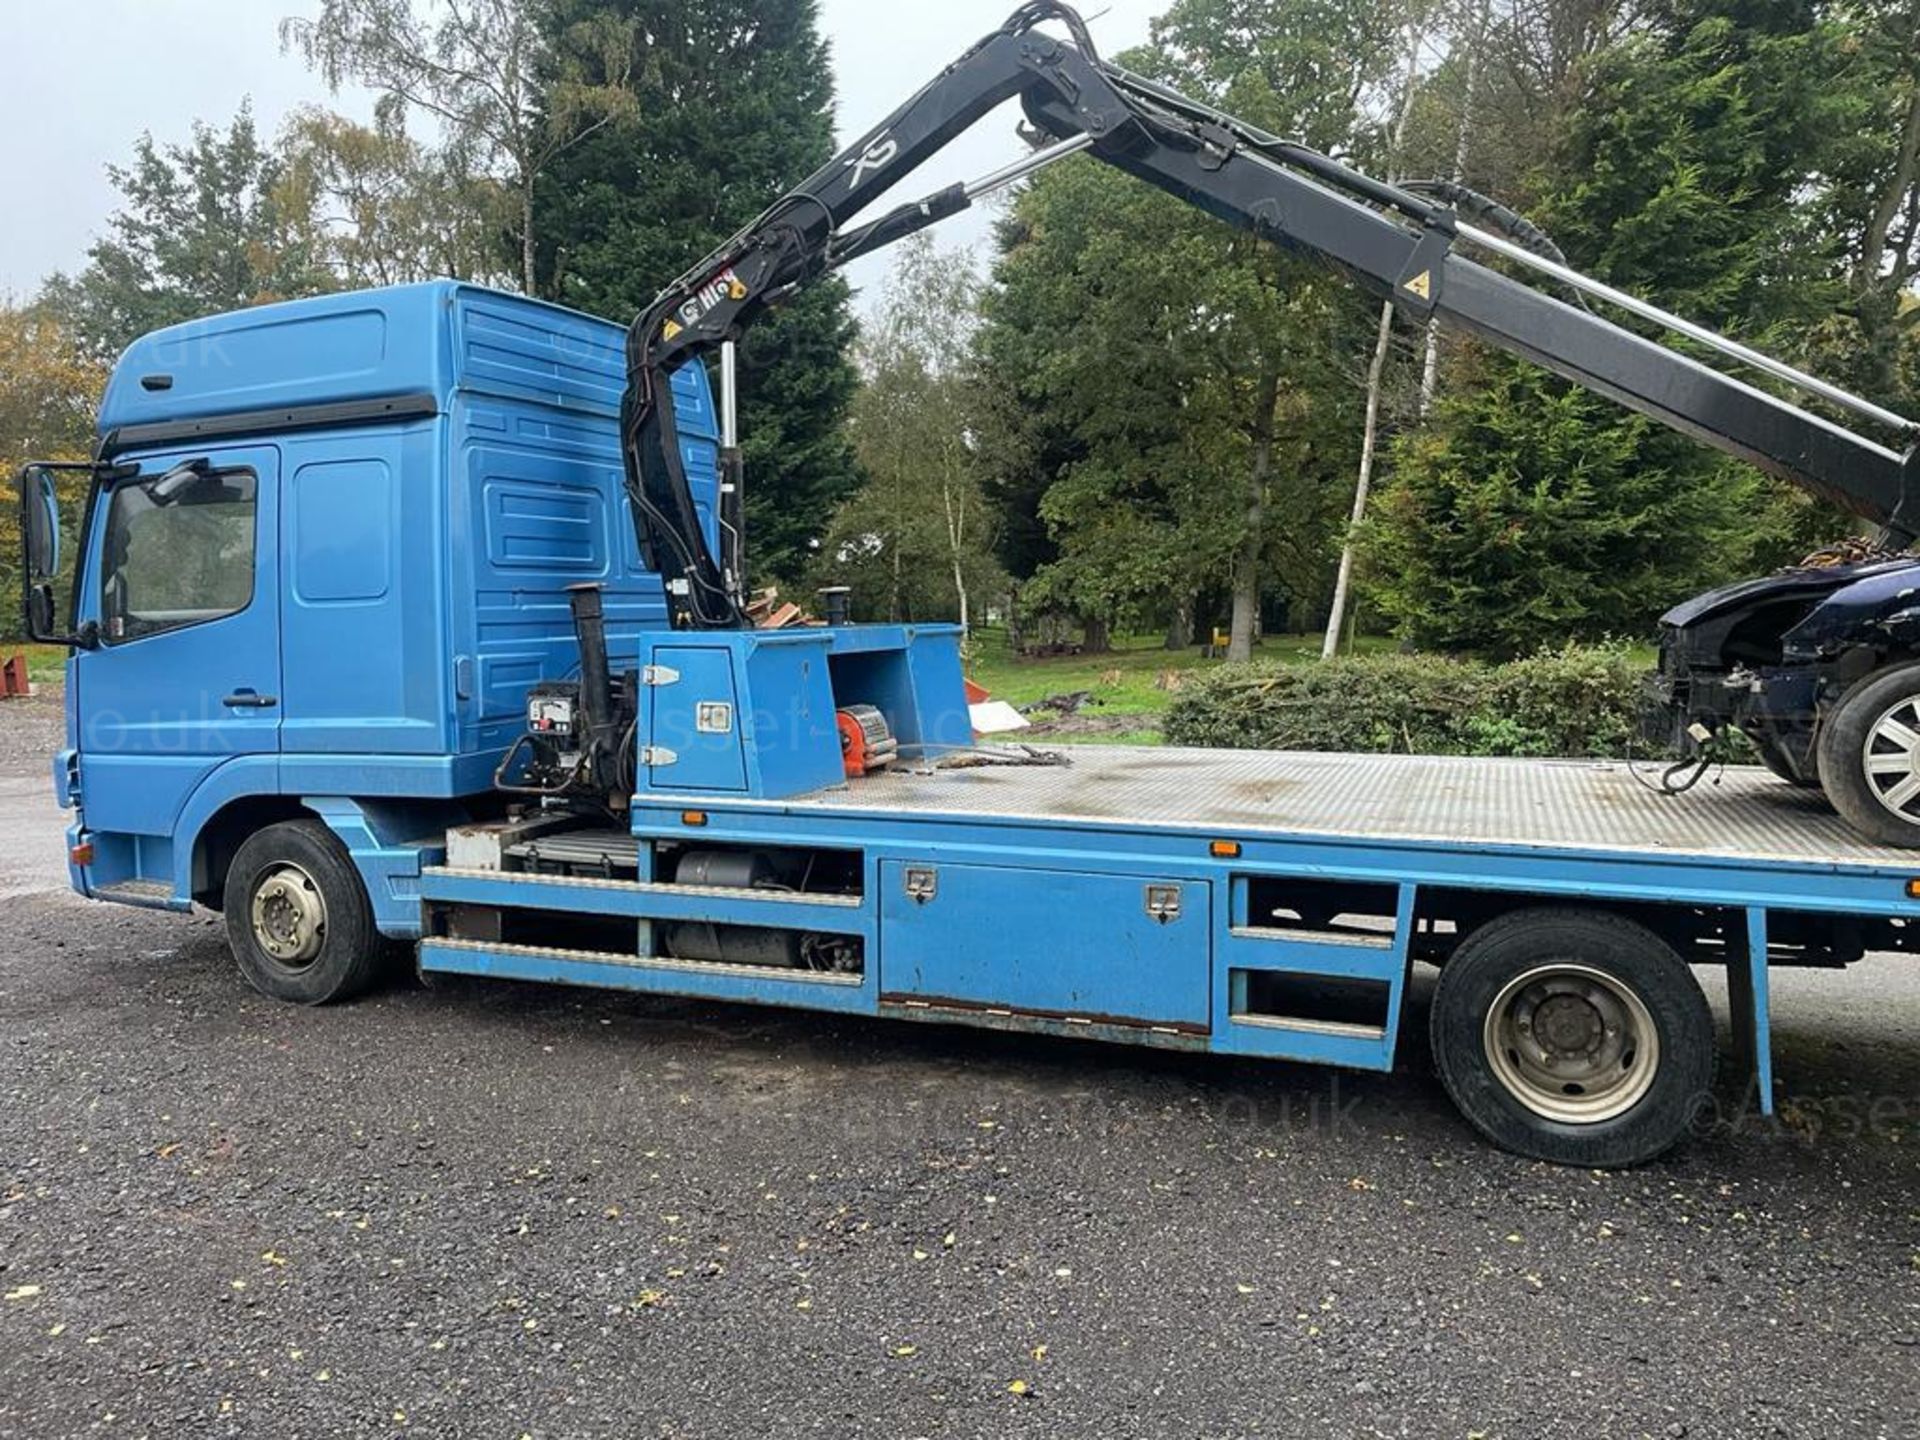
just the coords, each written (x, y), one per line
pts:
(250, 700)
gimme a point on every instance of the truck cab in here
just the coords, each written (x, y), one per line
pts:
(323, 560)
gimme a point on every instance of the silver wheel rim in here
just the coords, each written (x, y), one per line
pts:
(1572, 1043)
(1891, 759)
(289, 916)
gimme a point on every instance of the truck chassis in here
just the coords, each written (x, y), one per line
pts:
(1268, 905)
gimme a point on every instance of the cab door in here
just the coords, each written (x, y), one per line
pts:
(182, 580)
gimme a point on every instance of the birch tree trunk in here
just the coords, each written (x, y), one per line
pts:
(1906, 170)
(954, 499)
(1369, 445)
(526, 234)
(1376, 374)
(1462, 152)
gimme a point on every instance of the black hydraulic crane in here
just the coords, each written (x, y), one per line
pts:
(1730, 657)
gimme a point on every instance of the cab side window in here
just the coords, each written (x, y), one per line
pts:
(179, 551)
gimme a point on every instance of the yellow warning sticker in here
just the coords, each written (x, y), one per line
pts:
(672, 331)
(1421, 285)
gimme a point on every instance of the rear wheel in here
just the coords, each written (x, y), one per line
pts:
(298, 919)
(1870, 757)
(1573, 1036)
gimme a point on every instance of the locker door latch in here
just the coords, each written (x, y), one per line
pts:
(922, 884)
(1163, 903)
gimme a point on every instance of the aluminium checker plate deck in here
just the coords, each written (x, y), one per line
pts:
(1586, 807)
(1571, 831)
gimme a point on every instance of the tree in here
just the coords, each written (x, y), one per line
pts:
(1531, 512)
(1870, 203)
(385, 209)
(485, 69)
(1089, 391)
(1675, 173)
(918, 531)
(1383, 343)
(1206, 378)
(733, 105)
(1315, 70)
(49, 392)
(203, 227)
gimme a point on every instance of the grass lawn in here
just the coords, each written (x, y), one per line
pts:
(1132, 684)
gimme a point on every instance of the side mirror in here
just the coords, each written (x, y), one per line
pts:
(40, 523)
(40, 616)
(40, 540)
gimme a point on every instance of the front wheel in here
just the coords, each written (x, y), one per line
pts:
(298, 919)
(1573, 1036)
(1870, 757)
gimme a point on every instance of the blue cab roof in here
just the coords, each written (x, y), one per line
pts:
(424, 340)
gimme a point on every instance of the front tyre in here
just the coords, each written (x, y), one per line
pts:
(1870, 757)
(1573, 1036)
(298, 919)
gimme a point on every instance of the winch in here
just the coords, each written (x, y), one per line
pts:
(866, 744)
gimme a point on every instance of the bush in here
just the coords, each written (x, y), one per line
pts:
(1579, 701)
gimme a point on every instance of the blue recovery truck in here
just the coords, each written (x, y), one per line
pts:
(420, 615)
(325, 628)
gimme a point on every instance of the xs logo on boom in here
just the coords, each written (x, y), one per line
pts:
(877, 156)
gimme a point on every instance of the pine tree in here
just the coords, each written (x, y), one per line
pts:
(733, 107)
(1532, 512)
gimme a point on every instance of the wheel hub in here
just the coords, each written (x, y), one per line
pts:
(1572, 1043)
(1891, 759)
(1569, 1026)
(289, 916)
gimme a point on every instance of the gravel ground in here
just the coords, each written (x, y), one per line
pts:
(30, 731)
(500, 1210)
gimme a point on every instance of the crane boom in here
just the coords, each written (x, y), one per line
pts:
(1390, 240)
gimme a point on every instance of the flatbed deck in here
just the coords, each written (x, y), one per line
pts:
(1743, 814)
(1255, 903)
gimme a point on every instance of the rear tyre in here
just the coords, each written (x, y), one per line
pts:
(1870, 757)
(298, 919)
(1573, 1036)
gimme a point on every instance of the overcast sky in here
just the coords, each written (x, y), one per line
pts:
(87, 76)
